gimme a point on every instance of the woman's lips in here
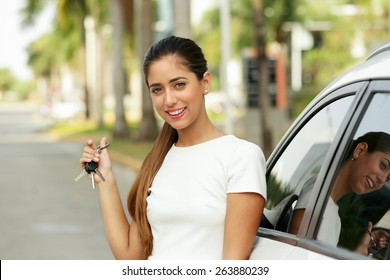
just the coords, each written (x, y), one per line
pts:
(177, 113)
(370, 183)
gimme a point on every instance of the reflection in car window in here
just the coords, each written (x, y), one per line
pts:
(357, 210)
(302, 159)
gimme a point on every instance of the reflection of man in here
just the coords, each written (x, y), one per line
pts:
(357, 210)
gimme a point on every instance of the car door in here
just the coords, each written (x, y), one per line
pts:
(356, 210)
(301, 156)
(313, 151)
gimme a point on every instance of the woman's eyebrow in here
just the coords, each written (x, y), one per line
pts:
(170, 81)
(154, 85)
(176, 79)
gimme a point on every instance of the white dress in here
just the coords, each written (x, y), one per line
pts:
(187, 200)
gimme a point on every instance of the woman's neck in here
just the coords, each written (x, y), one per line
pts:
(198, 134)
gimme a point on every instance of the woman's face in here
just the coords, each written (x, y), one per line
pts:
(370, 170)
(176, 93)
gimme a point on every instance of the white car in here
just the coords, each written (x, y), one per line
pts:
(313, 149)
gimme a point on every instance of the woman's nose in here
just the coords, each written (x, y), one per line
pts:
(170, 98)
(382, 177)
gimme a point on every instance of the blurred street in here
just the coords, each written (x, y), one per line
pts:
(44, 214)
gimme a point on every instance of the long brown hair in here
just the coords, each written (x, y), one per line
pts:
(191, 56)
(136, 201)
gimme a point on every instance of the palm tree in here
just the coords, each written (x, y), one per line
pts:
(262, 61)
(70, 18)
(148, 129)
(7, 79)
(45, 58)
(121, 129)
(71, 15)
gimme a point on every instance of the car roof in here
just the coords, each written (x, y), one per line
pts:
(376, 66)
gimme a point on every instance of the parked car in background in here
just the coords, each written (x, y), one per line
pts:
(314, 148)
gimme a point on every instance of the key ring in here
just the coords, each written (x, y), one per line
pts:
(99, 149)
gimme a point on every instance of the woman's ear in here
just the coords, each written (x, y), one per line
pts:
(361, 147)
(206, 81)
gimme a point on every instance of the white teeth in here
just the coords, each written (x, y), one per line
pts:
(176, 112)
(370, 183)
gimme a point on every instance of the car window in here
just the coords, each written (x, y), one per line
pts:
(356, 210)
(301, 161)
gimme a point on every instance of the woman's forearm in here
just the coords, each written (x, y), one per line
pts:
(116, 224)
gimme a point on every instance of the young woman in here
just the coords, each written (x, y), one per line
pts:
(200, 193)
(366, 169)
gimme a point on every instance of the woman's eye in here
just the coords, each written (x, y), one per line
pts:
(155, 90)
(179, 85)
(384, 165)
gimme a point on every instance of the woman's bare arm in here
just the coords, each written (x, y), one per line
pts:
(243, 214)
(122, 237)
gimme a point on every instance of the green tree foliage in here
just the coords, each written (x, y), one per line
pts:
(351, 23)
(68, 33)
(243, 29)
(43, 54)
(9, 83)
(7, 79)
(67, 46)
(275, 192)
(347, 20)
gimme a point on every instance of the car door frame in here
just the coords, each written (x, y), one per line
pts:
(337, 152)
(310, 225)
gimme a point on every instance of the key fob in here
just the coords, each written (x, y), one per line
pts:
(91, 166)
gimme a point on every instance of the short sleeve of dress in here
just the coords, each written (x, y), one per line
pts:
(246, 172)
(305, 193)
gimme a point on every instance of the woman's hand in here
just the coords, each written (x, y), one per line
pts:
(89, 154)
(380, 238)
(376, 239)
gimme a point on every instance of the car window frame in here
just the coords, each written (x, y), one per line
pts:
(304, 238)
(337, 152)
(324, 183)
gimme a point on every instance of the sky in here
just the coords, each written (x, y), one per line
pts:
(14, 38)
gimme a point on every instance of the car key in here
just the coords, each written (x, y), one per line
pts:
(91, 168)
(81, 175)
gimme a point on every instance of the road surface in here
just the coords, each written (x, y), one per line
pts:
(44, 214)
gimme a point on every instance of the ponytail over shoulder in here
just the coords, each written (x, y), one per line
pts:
(136, 201)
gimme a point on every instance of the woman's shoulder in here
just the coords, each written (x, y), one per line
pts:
(241, 148)
(242, 143)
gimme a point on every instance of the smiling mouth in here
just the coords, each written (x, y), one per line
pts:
(370, 183)
(177, 112)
